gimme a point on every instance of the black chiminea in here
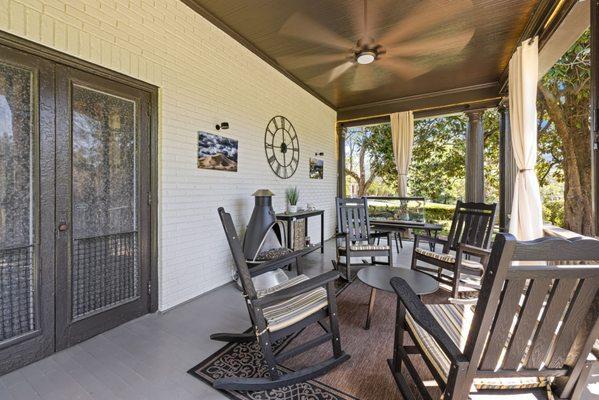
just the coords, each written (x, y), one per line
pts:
(263, 236)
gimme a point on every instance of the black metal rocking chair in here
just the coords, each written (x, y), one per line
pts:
(278, 312)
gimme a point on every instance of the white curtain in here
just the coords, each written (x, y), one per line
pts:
(527, 216)
(402, 136)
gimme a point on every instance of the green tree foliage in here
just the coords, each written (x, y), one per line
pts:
(437, 169)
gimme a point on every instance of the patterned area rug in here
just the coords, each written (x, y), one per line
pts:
(365, 376)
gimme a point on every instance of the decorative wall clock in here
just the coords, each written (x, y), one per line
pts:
(281, 146)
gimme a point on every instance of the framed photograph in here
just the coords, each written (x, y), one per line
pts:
(316, 168)
(217, 152)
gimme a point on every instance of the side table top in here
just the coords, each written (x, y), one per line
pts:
(299, 214)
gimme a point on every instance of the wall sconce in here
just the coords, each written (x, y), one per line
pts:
(319, 154)
(223, 125)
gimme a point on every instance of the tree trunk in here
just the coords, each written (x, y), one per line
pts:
(578, 204)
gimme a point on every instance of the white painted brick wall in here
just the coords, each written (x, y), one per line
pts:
(205, 77)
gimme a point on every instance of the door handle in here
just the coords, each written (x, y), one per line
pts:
(63, 226)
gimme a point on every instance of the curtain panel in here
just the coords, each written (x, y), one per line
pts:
(402, 136)
(526, 221)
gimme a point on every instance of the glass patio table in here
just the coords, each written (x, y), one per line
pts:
(379, 278)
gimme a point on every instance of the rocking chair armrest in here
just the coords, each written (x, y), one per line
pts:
(295, 290)
(425, 319)
(473, 250)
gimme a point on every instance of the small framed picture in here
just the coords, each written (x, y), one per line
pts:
(217, 152)
(316, 168)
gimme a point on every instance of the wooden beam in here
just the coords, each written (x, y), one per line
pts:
(421, 102)
(475, 180)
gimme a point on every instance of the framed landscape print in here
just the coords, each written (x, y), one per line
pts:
(316, 168)
(217, 152)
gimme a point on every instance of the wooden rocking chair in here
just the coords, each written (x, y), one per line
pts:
(353, 230)
(534, 324)
(278, 312)
(469, 235)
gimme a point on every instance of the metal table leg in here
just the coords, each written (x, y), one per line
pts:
(370, 308)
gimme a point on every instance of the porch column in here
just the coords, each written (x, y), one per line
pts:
(340, 160)
(474, 157)
(507, 168)
(595, 105)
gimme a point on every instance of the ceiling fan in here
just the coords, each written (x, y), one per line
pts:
(398, 52)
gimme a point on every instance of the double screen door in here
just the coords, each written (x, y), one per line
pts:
(74, 213)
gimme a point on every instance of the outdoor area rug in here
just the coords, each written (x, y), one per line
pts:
(365, 376)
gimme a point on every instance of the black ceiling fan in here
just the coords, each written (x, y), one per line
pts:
(400, 50)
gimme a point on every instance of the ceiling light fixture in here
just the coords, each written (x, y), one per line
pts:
(365, 57)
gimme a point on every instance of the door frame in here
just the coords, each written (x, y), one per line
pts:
(38, 343)
(69, 330)
(50, 56)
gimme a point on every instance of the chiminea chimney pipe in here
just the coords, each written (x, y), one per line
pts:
(262, 220)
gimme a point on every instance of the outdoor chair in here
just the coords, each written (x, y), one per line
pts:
(354, 237)
(278, 312)
(469, 235)
(533, 326)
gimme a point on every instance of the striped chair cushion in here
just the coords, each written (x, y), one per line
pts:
(449, 258)
(295, 309)
(366, 247)
(456, 319)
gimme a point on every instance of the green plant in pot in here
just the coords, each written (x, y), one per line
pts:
(292, 195)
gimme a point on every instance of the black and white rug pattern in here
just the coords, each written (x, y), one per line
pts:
(245, 360)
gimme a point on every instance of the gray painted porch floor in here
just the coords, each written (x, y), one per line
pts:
(148, 358)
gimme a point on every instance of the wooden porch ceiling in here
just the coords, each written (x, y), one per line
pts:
(439, 53)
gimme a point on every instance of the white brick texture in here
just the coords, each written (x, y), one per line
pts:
(205, 77)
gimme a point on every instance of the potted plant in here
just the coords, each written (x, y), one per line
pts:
(292, 195)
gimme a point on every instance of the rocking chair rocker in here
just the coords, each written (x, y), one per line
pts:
(278, 312)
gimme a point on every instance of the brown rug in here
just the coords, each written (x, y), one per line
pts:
(366, 375)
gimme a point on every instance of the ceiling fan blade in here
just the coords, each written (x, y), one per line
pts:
(431, 46)
(424, 17)
(364, 80)
(407, 70)
(311, 60)
(366, 17)
(302, 27)
(329, 76)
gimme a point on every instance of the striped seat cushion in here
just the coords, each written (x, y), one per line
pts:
(449, 258)
(456, 319)
(295, 309)
(366, 247)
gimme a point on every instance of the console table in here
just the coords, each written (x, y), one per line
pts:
(288, 218)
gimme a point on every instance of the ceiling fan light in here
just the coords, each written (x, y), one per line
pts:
(365, 57)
